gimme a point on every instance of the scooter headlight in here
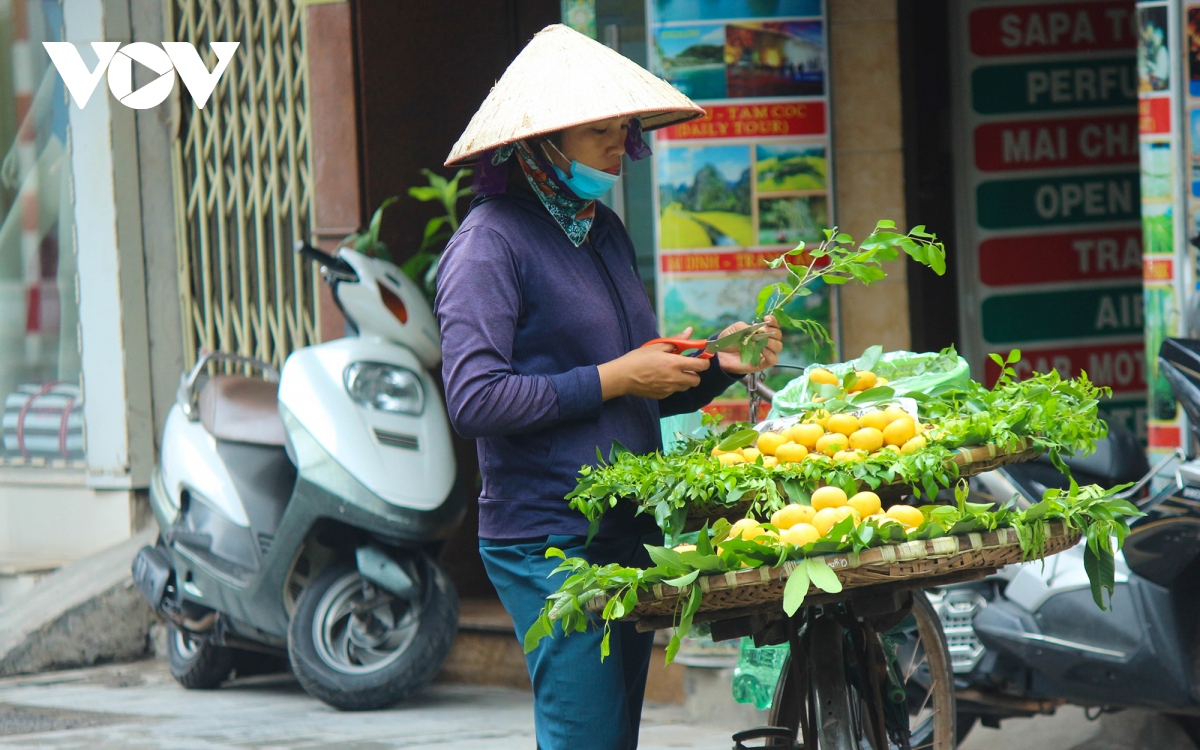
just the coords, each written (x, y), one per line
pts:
(389, 388)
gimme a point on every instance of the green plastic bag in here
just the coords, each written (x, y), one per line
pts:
(688, 424)
(757, 674)
(906, 372)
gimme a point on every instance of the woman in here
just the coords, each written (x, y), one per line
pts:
(542, 316)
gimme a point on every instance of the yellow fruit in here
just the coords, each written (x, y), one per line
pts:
(685, 548)
(717, 451)
(731, 459)
(866, 439)
(758, 532)
(874, 418)
(750, 454)
(770, 462)
(821, 376)
(866, 381)
(806, 434)
(790, 515)
(820, 416)
(800, 534)
(845, 511)
(906, 514)
(847, 456)
(900, 432)
(740, 526)
(832, 443)
(866, 503)
(881, 381)
(828, 497)
(824, 520)
(791, 453)
(768, 442)
(912, 446)
(893, 413)
(846, 424)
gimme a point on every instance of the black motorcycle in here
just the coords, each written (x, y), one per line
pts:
(1031, 638)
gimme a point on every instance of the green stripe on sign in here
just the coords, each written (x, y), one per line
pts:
(1050, 201)
(1053, 85)
(1074, 314)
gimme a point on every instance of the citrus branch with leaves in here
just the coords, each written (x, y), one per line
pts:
(837, 260)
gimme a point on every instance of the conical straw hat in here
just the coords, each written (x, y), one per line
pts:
(561, 79)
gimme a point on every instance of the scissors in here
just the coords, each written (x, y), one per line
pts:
(706, 349)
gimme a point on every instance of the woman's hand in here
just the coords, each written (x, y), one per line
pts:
(651, 372)
(731, 360)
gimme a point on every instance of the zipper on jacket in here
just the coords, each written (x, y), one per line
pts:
(618, 303)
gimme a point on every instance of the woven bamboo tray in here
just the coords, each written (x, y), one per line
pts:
(970, 461)
(929, 558)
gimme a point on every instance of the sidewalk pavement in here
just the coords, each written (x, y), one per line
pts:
(139, 707)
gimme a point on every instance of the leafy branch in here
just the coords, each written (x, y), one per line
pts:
(837, 261)
(422, 266)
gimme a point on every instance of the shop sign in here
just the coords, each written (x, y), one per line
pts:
(1046, 86)
(1047, 153)
(1061, 27)
(1042, 144)
(1121, 367)
(1063, 314)
(1082, 199)
(1073, 256)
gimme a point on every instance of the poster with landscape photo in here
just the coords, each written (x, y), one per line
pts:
(691, 58)
(710, 302)
(789, 167)
(704, 197)
(792, 220)
(774, 58)
(669, 11)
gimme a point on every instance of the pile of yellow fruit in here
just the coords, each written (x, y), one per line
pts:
(865, 380)
(799, 524)
(843, 437)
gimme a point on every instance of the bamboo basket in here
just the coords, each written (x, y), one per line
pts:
(907, 562)
(970, 461)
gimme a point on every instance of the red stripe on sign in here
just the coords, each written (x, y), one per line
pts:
(738, 261)
(1077, 256)
(1032, 144)
(1064, 27)
(1154, 115)
(1121, 367)
(752, 120)
(1163, 436)
(1158, 269)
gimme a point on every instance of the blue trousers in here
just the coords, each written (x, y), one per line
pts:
(579, 702)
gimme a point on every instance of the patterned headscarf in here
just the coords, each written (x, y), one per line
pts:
(573, 214)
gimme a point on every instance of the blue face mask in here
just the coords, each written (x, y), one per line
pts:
(587, 182)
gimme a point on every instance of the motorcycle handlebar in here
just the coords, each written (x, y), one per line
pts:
(336, 267)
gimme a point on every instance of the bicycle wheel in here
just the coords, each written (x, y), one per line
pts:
(919, 662)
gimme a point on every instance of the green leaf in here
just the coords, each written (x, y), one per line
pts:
(555, 552)
(823, 576)
(534, 635)
(795, 590)
(1101, 573)
(703, 546)
(616, 451)
(667, 558)
(604, 647)
(682, 581)
(869, 358)
(739, 439)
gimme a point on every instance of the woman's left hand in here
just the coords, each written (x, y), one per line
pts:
(731, 360)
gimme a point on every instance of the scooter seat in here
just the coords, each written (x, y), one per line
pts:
(242, 410)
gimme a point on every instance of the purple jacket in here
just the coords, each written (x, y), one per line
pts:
(525, 319)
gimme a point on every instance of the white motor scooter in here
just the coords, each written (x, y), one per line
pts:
(300, 512)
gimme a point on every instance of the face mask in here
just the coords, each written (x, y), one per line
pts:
(587, 182)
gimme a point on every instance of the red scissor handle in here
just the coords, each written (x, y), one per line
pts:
(682, 345)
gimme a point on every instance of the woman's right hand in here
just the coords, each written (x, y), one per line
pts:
(651, 372)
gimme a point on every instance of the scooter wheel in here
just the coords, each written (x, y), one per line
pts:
(359, 648)
(196, 663)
